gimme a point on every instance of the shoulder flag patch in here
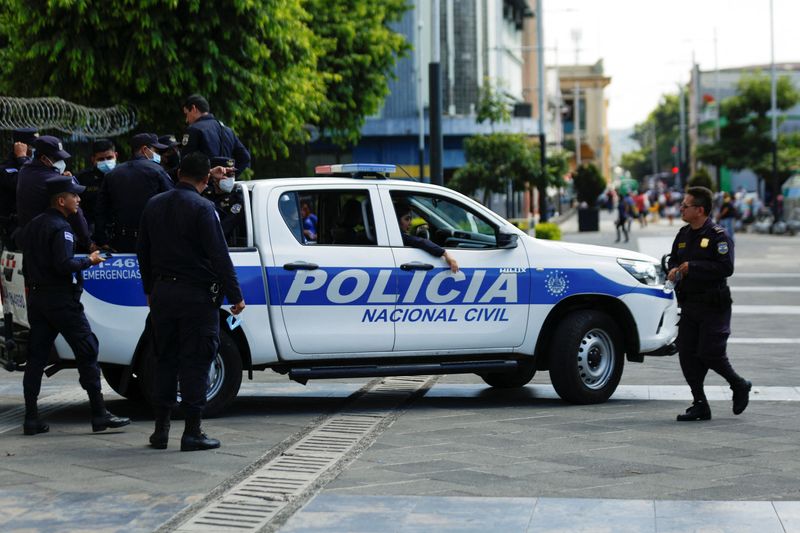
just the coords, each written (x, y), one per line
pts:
(722, 248)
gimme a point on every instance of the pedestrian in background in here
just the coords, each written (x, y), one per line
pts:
(126, 190)
(208, 135)
(54, 283)
(727, 214)
(186, 272)
(700, 262)
(623, 214)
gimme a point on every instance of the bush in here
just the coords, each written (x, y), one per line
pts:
(701, 178)
(588, 183)
(548, 231)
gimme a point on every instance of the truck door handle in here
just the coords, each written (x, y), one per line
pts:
(300, 265)
(416, 265)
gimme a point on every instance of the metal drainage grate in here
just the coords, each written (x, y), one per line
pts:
(13, 418)
(287, 479)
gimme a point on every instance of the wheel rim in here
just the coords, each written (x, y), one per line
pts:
(216, 376)
(596, 359)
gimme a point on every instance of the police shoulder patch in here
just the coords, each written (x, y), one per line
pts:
(68, 236)
(185, 139)
(722, 247)
(236, 209)
(719, 229)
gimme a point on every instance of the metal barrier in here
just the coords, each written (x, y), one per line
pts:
(51, 113)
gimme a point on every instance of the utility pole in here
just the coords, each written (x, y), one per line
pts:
(682, 178)
(542, 139)
(420, 102)
(774, 108)
(435, 96)
(576, 110)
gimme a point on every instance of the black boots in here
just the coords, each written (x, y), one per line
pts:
(32, 425)
(160, 437)
(741, 396)
(698, 411)
(193, 437)
(101, 418)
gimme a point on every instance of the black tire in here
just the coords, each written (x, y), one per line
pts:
(225, 376)
(113, 375)
(510, 380)
(586, 357)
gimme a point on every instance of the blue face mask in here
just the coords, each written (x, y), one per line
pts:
(106, 166)
(156, 158)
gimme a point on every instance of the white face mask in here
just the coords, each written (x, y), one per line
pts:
(226, 184)
(60, 165)
(107, 165)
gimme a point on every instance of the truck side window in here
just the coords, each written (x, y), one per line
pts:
(329, 217)
(447, 222)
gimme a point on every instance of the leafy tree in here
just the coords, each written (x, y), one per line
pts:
(637, 163)
(701, 178)
(664, 122)
(589, 184)
(745, 140)
(494, 105)
(361, 51)
(493, 161)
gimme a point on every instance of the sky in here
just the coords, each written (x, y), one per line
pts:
(647, 45)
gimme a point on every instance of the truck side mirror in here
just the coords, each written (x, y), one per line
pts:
(506, 240)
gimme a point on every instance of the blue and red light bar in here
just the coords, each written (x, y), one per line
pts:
(355, 168)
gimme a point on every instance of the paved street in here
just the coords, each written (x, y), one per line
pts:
(447, 453)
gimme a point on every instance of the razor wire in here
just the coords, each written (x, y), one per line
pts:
(59, 114)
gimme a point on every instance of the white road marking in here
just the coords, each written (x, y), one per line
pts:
(792, 288)
(763, 340)
(766, 309)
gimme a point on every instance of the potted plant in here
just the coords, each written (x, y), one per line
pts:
(589, 185)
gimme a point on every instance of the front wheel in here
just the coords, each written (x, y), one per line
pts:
(224, 375)
(586, 357)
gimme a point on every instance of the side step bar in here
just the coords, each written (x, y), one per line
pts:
(303, 374)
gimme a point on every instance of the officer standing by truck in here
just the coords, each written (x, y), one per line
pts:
(228, 202)
(700, 262)
(208, 135)
(54, 283)
(186, 272)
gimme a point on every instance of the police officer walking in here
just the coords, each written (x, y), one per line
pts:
(21, 154)
(700, 262)
(126, 190)
(208, 135)
(228, 202)
(54, 283)
(186, 272)
(32, 199)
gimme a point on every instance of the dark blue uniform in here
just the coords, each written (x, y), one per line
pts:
(211, 137)
(705, 301)
(92, 179)
(423, 244)
(8, 195)
(54, 280)
(123, 195)
(32, 200)
(186, 270)
(230, 209)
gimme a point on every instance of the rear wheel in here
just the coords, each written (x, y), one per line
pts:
(510, 380)
(586, 357)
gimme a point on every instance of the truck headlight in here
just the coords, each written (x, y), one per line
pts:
(644, 271)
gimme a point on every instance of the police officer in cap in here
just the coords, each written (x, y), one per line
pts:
(54, 281)
(21, 154)
(186, 272)
(104, 160)
(170, 156)
(32, 198)
(208, 135)
(126, 190)
(226, 198)
(700, 262)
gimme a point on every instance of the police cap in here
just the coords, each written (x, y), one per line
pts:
(169, 140)
(51, 147)
(226, 162)
(63, 184)
(25, 135)
(146, 139)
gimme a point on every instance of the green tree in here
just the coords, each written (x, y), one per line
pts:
(663, 123)
(361, 51)
(494, 104)
(745, 140)
(493, 161)
(589, 184)
(701, 178)
(637, 163)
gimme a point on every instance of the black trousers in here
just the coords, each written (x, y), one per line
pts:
(702, 344)
(185, 323)
(51, 312)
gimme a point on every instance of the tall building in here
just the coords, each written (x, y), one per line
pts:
(480, 40)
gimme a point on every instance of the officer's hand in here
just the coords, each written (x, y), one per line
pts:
(95, 258)
(238, 308)
(671, 274)
(93, 247)
(67, 173)
(217, 172)
(20, 149)
(451, 262)
(684, 268)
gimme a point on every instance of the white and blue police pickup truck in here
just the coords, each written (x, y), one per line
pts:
(349, 300)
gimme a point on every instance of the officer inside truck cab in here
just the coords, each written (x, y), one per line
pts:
(404, 218)
(54, 281)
